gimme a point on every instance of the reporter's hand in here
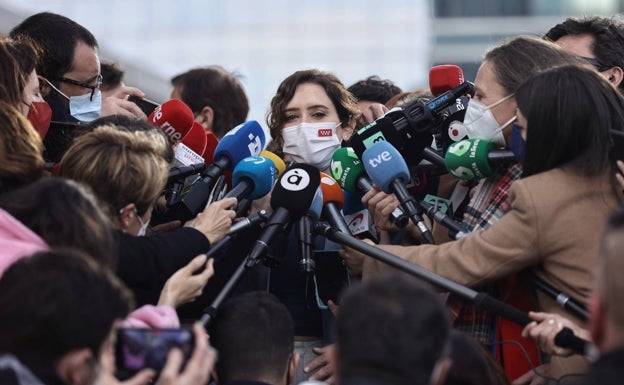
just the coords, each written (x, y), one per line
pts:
(371, 113)
(353, 259)
(381, 205)
(184, 286)
(216, 220)
(545, 327)
(198, 368)
(118, 103)
(325, 365)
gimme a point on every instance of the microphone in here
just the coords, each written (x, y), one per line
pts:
(278, 163)
(253, 178)
(251, 220)
(196, 139)
(189, 149)
(357, 217)
(333, 200)
(181, 172)
(410, 129)
(445, 77)
(292, 196)
(211, 144)
(475, 158)
(174, 118)
(389, 171)
(244, 140)
(350, 174)
(303, 228)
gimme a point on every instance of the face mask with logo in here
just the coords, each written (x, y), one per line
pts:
(40, 115)
(311, 143)
(480, 123)
(517, 144)
(82, 107)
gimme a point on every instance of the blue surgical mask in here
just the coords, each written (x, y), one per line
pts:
(517, 144)
(82, 107)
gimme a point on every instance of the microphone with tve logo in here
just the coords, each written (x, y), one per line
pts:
(389, 171)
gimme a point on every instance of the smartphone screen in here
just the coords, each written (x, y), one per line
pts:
(146, 105)
(137, 349)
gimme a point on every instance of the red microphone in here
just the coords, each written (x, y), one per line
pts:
(333, 200)
(444, 77)
(211, 145)
(173, 118)
(195, 139)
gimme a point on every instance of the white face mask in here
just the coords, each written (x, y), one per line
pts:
(82, 107)
(311, 143)
(480, 123)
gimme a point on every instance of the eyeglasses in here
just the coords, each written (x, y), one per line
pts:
(596, 63)
(98, 83)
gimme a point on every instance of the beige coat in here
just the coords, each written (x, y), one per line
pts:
(554, 226)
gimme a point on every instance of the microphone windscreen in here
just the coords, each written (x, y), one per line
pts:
(332, 192)
(384, 164)
(346, 168)
(246, 139)
(468, 159)
(444, 77)
(174, 118)
(211, 146)
(279, 164)
(259, 171)
(195, 139)
(295, 189)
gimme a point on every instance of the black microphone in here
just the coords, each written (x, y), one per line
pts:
(181, 172)
(303, 228)
(292, 196)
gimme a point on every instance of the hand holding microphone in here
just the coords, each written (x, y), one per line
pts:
(215, 221)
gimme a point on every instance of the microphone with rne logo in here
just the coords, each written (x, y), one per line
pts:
(291, 198)
(173, 118)
(350, 174)
(188, 151)
(333, 200)
(242, 141)
(475, 159)
(211, 145)
(252, 178)
(389, 171)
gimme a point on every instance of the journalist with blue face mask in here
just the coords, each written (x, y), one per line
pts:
(69, 74)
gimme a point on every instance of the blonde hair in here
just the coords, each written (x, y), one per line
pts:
(21, 148)
(121, 167)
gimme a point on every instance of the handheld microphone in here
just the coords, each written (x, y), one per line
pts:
(181, 172)
(389, 171)
(242, 141)
(445, 77)
(291, 198)
(211, 145)
(475, 158)
(251, 220)
(196, 139)
(278, 163)
(350, 174)
(253, 178)
(174, 118)
(410, 129)
(303, 228)
(333, 200)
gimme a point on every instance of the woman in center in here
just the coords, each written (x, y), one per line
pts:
(310, 115)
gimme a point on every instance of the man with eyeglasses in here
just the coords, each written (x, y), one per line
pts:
(597, 40)
(70, 77)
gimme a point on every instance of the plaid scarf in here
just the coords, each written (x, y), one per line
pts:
(488, 204)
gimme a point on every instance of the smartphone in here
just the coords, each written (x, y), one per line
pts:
(332, 277)
(146, 105)
(139, 348)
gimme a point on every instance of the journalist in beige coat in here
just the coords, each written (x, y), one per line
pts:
(558, 208)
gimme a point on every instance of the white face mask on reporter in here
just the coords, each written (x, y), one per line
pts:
(311, 143)
(480, 123)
